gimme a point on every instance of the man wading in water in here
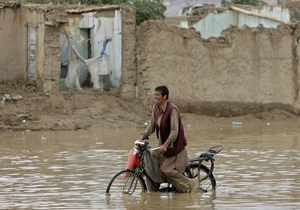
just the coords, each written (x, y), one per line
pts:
(165, 120)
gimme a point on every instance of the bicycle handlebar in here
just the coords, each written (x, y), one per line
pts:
(155, 149)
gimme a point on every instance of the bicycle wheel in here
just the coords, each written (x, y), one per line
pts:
(206, 183)
(126, 182)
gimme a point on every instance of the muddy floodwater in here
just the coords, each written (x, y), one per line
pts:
(257, 169)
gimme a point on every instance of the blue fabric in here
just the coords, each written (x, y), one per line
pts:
(105, 44)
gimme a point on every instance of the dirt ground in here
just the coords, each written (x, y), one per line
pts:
(23, 108)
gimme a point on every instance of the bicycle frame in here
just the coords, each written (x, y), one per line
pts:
(127, 181)
(206, 156)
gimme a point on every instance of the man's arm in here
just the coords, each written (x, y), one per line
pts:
(174, 126)
(151, 127)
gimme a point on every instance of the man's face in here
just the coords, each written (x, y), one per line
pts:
(159, 99)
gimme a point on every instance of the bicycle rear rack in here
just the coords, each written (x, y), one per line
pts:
(209, 154)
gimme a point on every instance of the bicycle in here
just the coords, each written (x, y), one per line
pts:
(129, 181)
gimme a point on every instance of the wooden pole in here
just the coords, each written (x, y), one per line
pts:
(259, 15)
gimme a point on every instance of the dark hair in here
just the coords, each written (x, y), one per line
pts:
(163, 90)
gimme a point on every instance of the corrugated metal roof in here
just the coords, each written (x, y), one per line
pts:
(174, 7)
(214, 23)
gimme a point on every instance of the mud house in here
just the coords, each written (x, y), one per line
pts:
(62, 47)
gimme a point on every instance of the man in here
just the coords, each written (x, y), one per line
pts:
(165, 120)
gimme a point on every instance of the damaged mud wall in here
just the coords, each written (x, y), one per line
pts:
(49, 70)
(245, 70)
(50, 75)
(41, 60)
(129, 71)
(46, 22)
(294, 8)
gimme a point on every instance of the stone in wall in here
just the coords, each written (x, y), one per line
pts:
(294, 7)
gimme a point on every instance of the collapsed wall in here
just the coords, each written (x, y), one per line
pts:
(245, 70)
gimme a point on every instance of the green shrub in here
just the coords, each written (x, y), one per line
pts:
(149, 10)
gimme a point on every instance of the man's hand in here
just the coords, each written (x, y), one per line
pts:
(164, 147)
(142, 136)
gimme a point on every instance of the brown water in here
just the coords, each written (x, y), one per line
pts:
(257, 169)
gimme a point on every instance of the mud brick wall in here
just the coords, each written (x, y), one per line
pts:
(294, 8)
(129, 71)
(51, 71)
(246, 70)
(12, 60)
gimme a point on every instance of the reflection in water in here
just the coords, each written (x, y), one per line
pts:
(258, 168)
